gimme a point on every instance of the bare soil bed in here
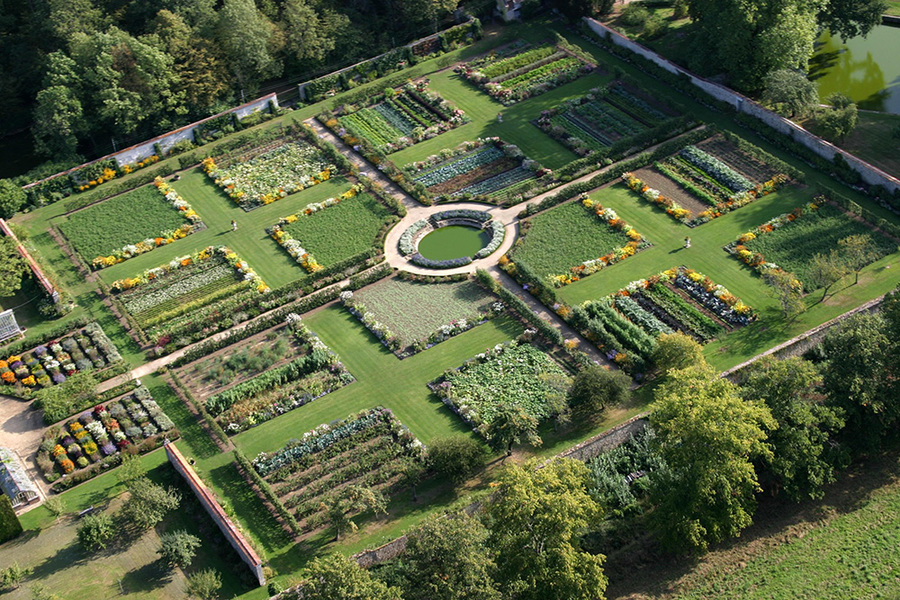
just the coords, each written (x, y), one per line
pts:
(670, 189)
(754, 170)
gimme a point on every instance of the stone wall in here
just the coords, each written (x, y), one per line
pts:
(138, 152)
(229, 529)
(607, 440)
(871, 175)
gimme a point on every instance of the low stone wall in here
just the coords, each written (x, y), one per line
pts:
(138, 152)
(805, 341)
(229, 529)
(607, 440)
(870, 174)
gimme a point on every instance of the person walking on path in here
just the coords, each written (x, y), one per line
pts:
(687, 242)
(233, 225)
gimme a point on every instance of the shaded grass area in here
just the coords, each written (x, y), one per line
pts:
(249, 241)
(564, 237)
(414, 310)
(342, 231)
(874, 138)
(126, 219)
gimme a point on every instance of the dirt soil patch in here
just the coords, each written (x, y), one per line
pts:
(751, 168)
(670, 189)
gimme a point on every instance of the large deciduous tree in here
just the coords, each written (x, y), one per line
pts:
(12, 198)
(249, 42)
(335, 577)
(512, 425)
(802, 459)
(536, 518)
(677, 351)
(852, 18)
(595, 388)
(709, 436)
(791, 91)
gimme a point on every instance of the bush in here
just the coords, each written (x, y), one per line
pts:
(179, 548)
(634, 15)
(595, 388)
(9, 522)
(204, 584)
(95, 531)
(457, 457)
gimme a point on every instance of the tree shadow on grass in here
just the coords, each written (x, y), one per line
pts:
(69, 556)
(151, 576)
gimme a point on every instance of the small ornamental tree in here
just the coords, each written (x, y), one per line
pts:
(856, 250)
(205, 584)
(595, 388)
(512, 425)
(95, 531)
(12, 576)
(353, 499)
(149, 503)
(790, 89)
(179, 548)
(457, 457)
(677, 351)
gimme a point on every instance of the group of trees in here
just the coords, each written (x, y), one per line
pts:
(78, 72)
(524, 544)
(790, 92)
(788, 427)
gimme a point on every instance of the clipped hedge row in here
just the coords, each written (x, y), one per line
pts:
(517, 304)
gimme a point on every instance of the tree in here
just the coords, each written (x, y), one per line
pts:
(148, 503)
(39, 592)
(56, 505)
(536, 520)
(351, 500)
(788, 290)
(677, 351)
(57, 121)
(204, 584)
(857, 252)
(512, 425)
(335, 577)
(95, 530)
(14, 267)
(749, 39)
(248, 40)
(792, 91)
(595, 388)
(708, 436)
(411, 472)
(801, 454)
(178, 548)
(556, 399)
(13, 575)
(12, 198)
(131, 468)
(447, 558)
(457, 457)
(852, 18)
(856, 378)
(827, 269)
(309, 36)
(837, 123)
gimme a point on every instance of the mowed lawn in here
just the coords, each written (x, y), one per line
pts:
(250, 241)
(381, 380)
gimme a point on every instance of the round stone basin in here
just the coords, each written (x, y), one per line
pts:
(453, 241)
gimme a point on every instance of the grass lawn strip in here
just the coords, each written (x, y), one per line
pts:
(505, 374)
(116, 226)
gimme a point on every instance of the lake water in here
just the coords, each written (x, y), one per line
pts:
(866, 69)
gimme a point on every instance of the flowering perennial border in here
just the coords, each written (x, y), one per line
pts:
(636, 242)
(51, 363)
(292, 245)
(167, 237)
(242, 267)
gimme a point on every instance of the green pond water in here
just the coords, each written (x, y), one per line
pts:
(454, 241)
(866, 69)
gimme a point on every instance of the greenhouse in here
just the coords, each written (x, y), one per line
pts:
(14, 481)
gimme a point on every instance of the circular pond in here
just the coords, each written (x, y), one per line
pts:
(453, 241)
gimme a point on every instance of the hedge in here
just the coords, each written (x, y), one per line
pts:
(9, 522)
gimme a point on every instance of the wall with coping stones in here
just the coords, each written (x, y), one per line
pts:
(870, 174)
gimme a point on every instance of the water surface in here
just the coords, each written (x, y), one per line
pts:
(453, 241)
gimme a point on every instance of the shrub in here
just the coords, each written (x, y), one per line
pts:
(95, 531)
(204, 584)
(634, 15)
(179, 548)
(457, 457)
(9, 522)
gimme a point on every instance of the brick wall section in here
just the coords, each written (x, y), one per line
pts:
(229, 529)
(871, 175)
(35, 268)
(146, 149)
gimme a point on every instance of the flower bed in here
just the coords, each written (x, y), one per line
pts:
(367, 449)
(53, 362)
(774, 244)
(265, 177)
(524, 73)
(506, 373)
(402, 118)
(274, 392)
(101, 433)
(241, 267)
(450, 263)
(475, 170)
(292, 245)
(714, 297)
